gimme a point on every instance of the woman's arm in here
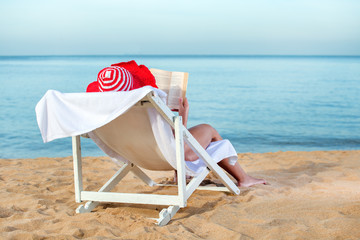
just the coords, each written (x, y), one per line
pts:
(184, 110)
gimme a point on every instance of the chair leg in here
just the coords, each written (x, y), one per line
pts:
(180, 160)
(108, 186)
(87, 207)
(166, 214)
(76, 146)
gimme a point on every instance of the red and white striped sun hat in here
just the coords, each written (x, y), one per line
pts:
(112, 79)
(123, 76)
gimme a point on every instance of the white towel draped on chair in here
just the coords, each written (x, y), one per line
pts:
(62, 115)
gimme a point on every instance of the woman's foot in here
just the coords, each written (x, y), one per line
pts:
(249, 181)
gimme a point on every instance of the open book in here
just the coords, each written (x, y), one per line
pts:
(173, 83)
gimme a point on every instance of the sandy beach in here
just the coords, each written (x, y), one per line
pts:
(310, 195)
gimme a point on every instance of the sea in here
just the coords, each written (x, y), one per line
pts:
(260, 103)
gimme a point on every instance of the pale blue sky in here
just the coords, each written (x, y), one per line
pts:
(285, 27)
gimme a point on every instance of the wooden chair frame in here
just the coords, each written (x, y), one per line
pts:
(175, 202)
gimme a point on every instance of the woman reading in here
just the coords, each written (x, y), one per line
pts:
(126, 76)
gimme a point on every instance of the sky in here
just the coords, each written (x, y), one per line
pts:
(117, 27)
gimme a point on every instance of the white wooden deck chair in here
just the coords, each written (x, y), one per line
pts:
(121, 136)
(134, 129)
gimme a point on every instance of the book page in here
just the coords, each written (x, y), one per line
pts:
(177, 89)
(163, 79)
(173, 83)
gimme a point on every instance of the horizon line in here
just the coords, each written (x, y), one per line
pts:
(180, 55)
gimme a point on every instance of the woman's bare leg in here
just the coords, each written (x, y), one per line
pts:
(242, 178)
(205, 134)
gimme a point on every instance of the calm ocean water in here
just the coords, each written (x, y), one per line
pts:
(262, 104)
